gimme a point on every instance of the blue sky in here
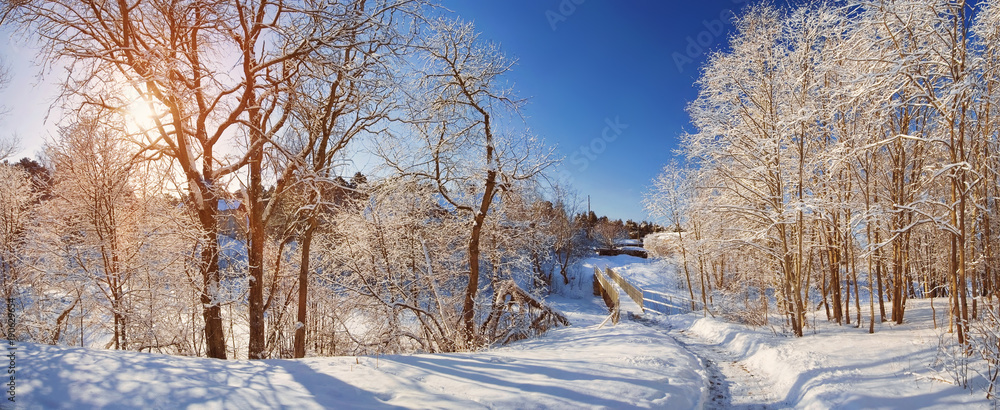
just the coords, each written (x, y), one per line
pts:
(585, 66)
(607, 84)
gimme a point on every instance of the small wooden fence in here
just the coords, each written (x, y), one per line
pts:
(655, 301)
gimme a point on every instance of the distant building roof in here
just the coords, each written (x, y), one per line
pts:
(229, 204)
(628, 242)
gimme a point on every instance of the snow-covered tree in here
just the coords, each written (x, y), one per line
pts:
(669, 199)
(462, 142)
(849, 146)
(16, 213)
(215, 82)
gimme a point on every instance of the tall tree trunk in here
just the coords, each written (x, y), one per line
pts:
(847, 299)
(215, 339)
(255, 255)
(897, 281)
(857, 291)
(472, 288)
(469, 305)
(833, 253)
(687, 273)
(300, 327)
(824, 288)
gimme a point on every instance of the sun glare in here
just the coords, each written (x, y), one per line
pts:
(141, 116)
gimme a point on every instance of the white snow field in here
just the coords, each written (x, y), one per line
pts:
(637, 363)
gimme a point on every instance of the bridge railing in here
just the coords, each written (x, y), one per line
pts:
(668, 304)
(646, 299)
(607, 291)
(631, 290)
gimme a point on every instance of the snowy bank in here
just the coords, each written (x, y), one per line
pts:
(832, 367)
(582, 366)
(835, 367)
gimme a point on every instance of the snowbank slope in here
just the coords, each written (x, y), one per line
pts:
(582, 366)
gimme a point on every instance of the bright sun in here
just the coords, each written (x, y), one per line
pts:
(141, 116)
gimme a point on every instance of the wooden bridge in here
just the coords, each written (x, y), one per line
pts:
(606, 286)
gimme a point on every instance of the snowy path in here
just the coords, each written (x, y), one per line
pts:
(732, 385)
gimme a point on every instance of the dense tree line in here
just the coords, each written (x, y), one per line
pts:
(845, 157)
(628, 229)
(122, 237)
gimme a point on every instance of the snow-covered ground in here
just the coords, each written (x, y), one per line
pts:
(837, 367)
(897, 367)
(581, 366)
(653, 361)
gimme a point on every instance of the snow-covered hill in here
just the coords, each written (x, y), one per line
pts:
(636, 363)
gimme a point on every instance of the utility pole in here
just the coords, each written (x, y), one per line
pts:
(587, 224)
